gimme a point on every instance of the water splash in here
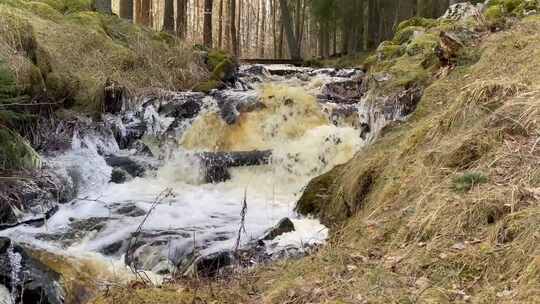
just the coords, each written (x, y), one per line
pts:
(15, 260)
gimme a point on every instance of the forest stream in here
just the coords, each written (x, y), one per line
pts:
(163, 181)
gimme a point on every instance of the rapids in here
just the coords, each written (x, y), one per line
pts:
(304, 135)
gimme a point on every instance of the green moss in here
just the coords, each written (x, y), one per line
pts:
(89, 20)
(408, 71)
(494, 13)
(405, 34)
(417, 21)
(215, 57)
(207, 86)
(223, 70)
(387, 50)
(423, 44)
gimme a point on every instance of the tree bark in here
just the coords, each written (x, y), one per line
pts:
(144, 12)
(207, 29)
(103, 6)
(232, 22)
(263, 30)
(126, 9)
(168, 16)
(289, 30)
(181, 18)
(220, 25)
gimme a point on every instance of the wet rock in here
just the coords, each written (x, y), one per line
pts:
(215, 164)
(156, 250)
(181, 105)
(286, 70)
(126, 164)
(210, 265)
(285, 225)
(25, 277)
(255, 70)
(119, 176)
(113, 97)
(343, 92)
(462, 11)
(128, 209)
(33, 199)
(233, 103)
(77, 230)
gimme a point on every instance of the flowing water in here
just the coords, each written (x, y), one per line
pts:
(305, 139)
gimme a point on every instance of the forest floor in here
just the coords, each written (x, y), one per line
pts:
(450, 212)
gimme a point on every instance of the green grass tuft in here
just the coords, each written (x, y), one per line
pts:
(468, 180)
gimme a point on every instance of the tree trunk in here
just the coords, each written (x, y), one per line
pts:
(207, 29)
(181, 18)
(144, 12)
(263, 30)
(289, 30)
(103, 6)
(168, 16)
(232, 22)
(126, 9)
(220, 25)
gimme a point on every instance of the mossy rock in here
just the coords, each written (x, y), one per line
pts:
(423, 44)
(388, 50)
(208, 86)
(404, 35)
(408, 71)
(215, 57)
(89, 20)
(417, 21)
(224, 70)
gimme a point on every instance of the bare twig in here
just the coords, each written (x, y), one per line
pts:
(135, 237)
(242, 227)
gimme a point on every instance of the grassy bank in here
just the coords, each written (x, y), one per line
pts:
(63, 48)
(444, 208)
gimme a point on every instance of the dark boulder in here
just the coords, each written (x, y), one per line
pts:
(215, 164)
(210, 265)
(285, 225)
(119, 176)
(27, 279)
(233, 103)
(33, 199)
(346, 92)
(126, 164)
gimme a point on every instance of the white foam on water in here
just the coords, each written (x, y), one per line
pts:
(304, 144)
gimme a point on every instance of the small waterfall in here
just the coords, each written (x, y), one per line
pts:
(280, 112)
